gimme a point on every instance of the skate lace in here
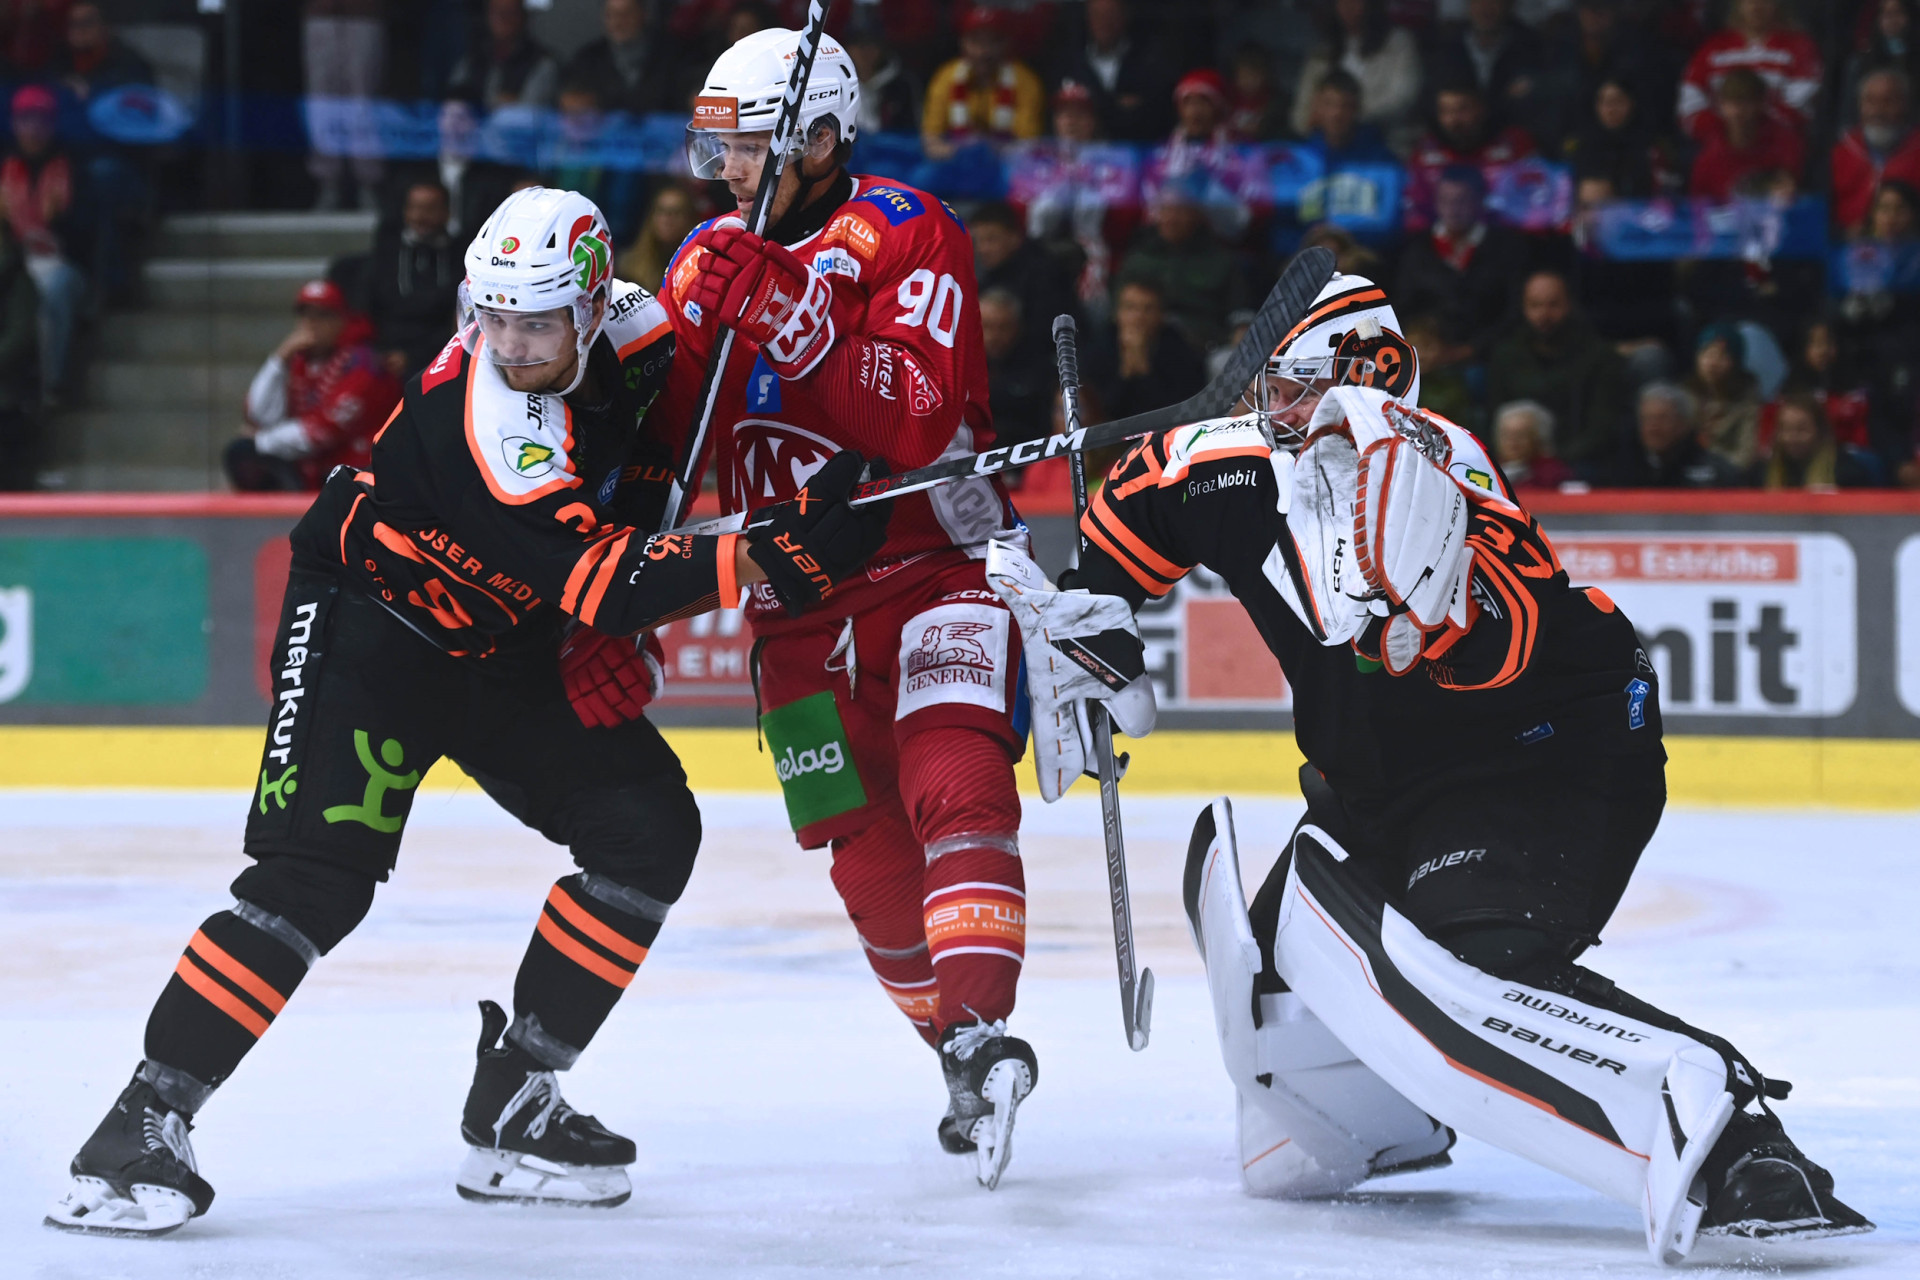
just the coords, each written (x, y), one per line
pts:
(168, 1133)
(967, 1041)
(540, 1087)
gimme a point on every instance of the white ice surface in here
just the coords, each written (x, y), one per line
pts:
(785, 1113)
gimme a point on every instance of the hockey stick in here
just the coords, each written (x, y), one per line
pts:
(1136, 995)
(680, 494)
(1288, 304)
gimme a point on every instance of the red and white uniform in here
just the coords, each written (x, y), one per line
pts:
(1787, 60)
(339, 401)
(919, 656)
(1433, 156)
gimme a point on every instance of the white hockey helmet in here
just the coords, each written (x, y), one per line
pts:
(542, 250)
(742, 94)
(1350, 336)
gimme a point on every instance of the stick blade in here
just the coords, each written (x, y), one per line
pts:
(1140, 1012)
(1286, 306)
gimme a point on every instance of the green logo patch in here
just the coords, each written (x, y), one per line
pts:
(279, 788)
(369, 812)
(813, 760)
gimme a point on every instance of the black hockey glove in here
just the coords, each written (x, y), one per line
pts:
(808, 544)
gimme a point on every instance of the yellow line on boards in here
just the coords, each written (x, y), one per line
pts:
(1772, 772)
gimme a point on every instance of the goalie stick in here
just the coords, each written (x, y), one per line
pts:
(680, 493)
(1284, 310)
(1136, 993)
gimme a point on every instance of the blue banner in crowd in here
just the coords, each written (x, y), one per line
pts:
(1874, 267)
(1747, 230)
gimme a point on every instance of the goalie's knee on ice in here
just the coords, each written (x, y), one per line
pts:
(324, 900)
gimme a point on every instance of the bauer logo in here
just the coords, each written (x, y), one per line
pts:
(813, 760)
(1738, 625)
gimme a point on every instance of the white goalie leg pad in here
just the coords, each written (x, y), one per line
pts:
(1312, 1118)
(1625, 1107)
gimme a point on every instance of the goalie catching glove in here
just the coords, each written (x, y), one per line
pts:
(814, 540)
(766, 295)
(1377, 526)
(1078, 646)
(610, 679)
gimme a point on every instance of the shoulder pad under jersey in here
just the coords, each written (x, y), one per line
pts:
(635, 321)
(1210, 439)
(521, 441)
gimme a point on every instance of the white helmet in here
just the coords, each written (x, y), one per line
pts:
(542, 250)
(1350, 336)
(742, 94)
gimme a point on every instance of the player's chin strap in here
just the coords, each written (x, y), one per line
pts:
(1624, 1105)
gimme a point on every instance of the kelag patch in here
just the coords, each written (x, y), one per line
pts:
(811, 755)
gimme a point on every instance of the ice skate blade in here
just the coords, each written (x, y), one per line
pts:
(492, 1176)
(93, 1207)
(1007, 1083)
(1765, 1232)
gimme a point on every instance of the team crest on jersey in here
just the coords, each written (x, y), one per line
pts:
(772, 460)
(527, 457)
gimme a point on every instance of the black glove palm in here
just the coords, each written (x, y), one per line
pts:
(815, 540)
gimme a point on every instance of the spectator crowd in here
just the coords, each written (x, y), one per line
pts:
(1649, 243)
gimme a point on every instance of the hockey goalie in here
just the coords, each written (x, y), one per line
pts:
(1484, 768)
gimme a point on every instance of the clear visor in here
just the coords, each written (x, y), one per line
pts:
(712, 152)
(516, 339)
(1286, 394)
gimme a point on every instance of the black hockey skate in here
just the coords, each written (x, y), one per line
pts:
(989, 1073)
(135, 1176)
(1761, 1187)
(528, 1145)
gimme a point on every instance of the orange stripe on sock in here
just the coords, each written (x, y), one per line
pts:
(219, 997)
(572, 948)
(576, 915)
(241, 976)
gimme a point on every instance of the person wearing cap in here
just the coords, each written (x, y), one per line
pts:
(317, 401)
(1203, 146)
(983, 94)
(37, 196)
(1080, 194)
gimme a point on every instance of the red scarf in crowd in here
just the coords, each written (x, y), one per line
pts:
(959, 106)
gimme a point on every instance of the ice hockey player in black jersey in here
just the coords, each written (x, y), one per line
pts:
(1484, 767)
(480, 595)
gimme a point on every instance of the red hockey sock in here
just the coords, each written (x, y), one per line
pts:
(959, 793)
(878, 873)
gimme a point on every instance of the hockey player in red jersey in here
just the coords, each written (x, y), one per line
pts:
(894, 711)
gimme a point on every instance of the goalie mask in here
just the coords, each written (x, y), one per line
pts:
(1351, 337)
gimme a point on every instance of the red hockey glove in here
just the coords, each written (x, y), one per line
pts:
(766, 295)
(610, 679)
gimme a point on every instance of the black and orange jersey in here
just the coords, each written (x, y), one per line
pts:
(1537, 660)
(487, 514)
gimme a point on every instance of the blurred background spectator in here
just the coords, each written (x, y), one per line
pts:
(316, 402)
(1555, 362)
(1194, 275)
(1881, 144)
(38, 193)
(1497, 52)
(343, 44)
(1726, 396)
(1757, 39)
(670, 219)
(626, 67)
(1005, 259)
(1523, 446)
(1128, 80)
(890, 94)
(982, 95)
(1805, 454)
(1020, 370)
(1665, 452)
(1463, 134)
(1466, 270)
(506, 66)
(1142, 362)
(1357, 37)
(412, 279)
(475, 186)
(1751, 152)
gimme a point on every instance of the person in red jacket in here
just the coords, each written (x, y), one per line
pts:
(1463, 134)
(318, 400)
(1754, 154)
(1883, 144)
(893, 712)
(1757, 39)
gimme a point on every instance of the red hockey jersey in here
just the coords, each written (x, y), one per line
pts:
(1787, 60)
(906, 379)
